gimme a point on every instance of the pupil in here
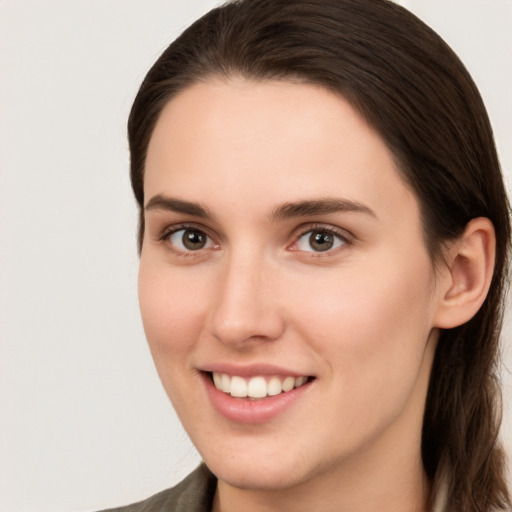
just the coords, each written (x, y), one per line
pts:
(321, 241)
(194, 240)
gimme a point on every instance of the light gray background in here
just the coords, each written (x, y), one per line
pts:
(84, 423)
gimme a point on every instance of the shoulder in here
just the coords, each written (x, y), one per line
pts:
(193, 494)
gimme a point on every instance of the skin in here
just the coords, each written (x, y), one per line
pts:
(359, 318)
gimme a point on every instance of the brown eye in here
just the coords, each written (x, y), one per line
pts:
(319, 240)
(189, 240)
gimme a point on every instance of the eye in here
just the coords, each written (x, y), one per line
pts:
(189, 239)
(319, 240)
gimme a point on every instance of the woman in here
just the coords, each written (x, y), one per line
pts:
(324, 239)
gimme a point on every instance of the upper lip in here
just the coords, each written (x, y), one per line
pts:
(251, 370)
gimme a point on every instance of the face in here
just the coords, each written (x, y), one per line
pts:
(285, 289)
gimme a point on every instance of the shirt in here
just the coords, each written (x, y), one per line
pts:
(193, 494)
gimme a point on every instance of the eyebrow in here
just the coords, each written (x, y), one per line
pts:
(323, 206)
(288, 210)
(172, 204)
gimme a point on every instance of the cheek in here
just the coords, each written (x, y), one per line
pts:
(169, 308)
(172, 323)
(372, 324)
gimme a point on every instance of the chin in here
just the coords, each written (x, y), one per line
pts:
(251, 473)
(258, 479)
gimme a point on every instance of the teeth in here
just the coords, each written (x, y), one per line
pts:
(238, 387)
(256, 387)
(225, 383)
(288, 384)
(274, 386)
(299, 381)
(217, 380)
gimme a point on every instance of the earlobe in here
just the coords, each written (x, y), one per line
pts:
(466, 280)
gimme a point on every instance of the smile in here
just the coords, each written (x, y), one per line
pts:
(257, 386)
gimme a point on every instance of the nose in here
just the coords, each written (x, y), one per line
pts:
(246, 303)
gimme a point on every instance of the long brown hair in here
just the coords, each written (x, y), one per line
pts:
(411, 87)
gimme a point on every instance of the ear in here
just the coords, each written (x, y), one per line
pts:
(464, 284)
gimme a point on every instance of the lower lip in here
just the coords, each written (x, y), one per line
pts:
(252, 411)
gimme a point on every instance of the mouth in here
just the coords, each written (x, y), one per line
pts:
(257, 394)
(256, 387)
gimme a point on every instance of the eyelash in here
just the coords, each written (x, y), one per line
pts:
(167, 233)
(343, 237)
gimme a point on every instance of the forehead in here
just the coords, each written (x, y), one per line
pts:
(253, 111)
(266, 143)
